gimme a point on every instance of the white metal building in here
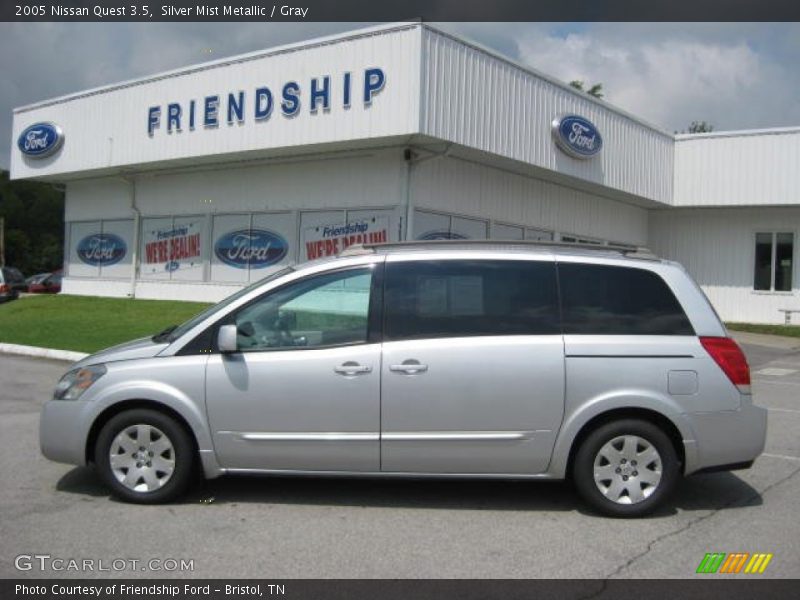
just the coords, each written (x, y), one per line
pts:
(188, 184)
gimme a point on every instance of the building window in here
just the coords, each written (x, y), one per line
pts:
(774, 262)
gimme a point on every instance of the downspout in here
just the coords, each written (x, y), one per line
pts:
(411, 161)
(135, 250)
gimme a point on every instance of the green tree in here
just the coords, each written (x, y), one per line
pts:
(34, 224)
(700, 127)
(596, 90)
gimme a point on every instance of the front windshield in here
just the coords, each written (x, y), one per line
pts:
(178, 331)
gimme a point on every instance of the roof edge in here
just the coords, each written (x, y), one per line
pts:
(682, 137)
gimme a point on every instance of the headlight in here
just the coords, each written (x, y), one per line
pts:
(77, 381)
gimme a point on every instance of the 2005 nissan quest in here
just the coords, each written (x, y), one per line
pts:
(489, 360)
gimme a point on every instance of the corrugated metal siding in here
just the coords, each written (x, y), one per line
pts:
(473, 98)
(717, 247)
(461, 187)
(109, 129)
(289, 185)
(738, 170)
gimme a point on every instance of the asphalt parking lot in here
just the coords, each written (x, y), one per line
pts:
(288, 528)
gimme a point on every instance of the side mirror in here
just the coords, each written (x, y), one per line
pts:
(226, 338)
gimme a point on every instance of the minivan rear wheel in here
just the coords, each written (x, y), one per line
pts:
(626, 468)
(144, 456)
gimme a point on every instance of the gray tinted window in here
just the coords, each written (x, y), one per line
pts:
(599, 299)
(457, 298)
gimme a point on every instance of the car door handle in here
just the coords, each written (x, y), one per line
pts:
(409, 367)
(352, 368)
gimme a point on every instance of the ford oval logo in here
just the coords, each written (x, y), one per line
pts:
(40, 140)
(442, 234)
(254, 248)
(577, 136)
(102, 249)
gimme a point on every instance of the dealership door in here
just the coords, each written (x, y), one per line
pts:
(303, 391)
(473, 366)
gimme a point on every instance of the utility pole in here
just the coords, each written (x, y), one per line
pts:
(2, 242)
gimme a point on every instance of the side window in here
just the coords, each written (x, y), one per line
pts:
(458, 298)
(774, 262)
(599, 299)
(326, 310)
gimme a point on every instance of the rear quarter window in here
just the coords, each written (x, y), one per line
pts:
(603, 299)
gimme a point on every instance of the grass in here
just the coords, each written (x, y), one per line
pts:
(785, 330)
(87, 324)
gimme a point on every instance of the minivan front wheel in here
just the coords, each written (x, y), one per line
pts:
(626, 468)
(144, 456)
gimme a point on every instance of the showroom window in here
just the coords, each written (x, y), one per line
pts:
(502, 231)
(774, 262)
(442, 226)
(173, 248)
(327, 232)
(249, 246)
(100, 249)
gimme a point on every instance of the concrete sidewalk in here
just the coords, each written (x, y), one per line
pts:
(763, 339)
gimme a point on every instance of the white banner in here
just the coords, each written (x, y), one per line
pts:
(173, 249)
(328, 240)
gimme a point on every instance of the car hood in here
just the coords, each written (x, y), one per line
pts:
(141, 348)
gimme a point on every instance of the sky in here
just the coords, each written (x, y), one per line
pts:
(732, 75)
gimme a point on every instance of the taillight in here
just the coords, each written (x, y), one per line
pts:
(730, 358)
(4, 288)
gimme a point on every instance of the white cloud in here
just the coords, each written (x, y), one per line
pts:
(671, 78)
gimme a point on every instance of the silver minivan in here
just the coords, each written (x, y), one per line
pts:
(438, 359)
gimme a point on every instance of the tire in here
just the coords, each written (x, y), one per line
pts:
(626, 468)
(159, 473)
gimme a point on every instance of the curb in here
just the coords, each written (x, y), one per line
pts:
(38, 352)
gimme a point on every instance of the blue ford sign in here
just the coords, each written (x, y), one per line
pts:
(577, 136)
(102, 249)
(40, 140)
(254, 248)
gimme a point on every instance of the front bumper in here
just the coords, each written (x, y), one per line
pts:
(63, 430)
(730, 437)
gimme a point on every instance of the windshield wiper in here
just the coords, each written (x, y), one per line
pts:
(164, 335)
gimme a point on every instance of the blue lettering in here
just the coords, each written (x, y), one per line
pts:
(291, 100)
(173, 117)
(236, 108)
(374, 80)
(153, 119)
(210, 106)
(191, 115)
(317, 93)
(347, 86)
(263, 103)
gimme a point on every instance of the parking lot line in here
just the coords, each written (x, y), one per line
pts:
(783, 456)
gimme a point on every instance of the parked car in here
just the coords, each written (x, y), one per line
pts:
(11, 283)
(436, 359)
(50, 284)
(33, 279)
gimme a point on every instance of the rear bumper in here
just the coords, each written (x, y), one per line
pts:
(727, 440)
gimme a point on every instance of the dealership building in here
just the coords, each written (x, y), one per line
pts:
(189, 184)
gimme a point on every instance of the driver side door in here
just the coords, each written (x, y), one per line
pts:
(303, 390)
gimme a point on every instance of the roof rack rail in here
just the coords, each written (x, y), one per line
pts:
(629, 251)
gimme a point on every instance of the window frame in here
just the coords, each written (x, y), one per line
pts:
(773, 232)
(206, 341)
